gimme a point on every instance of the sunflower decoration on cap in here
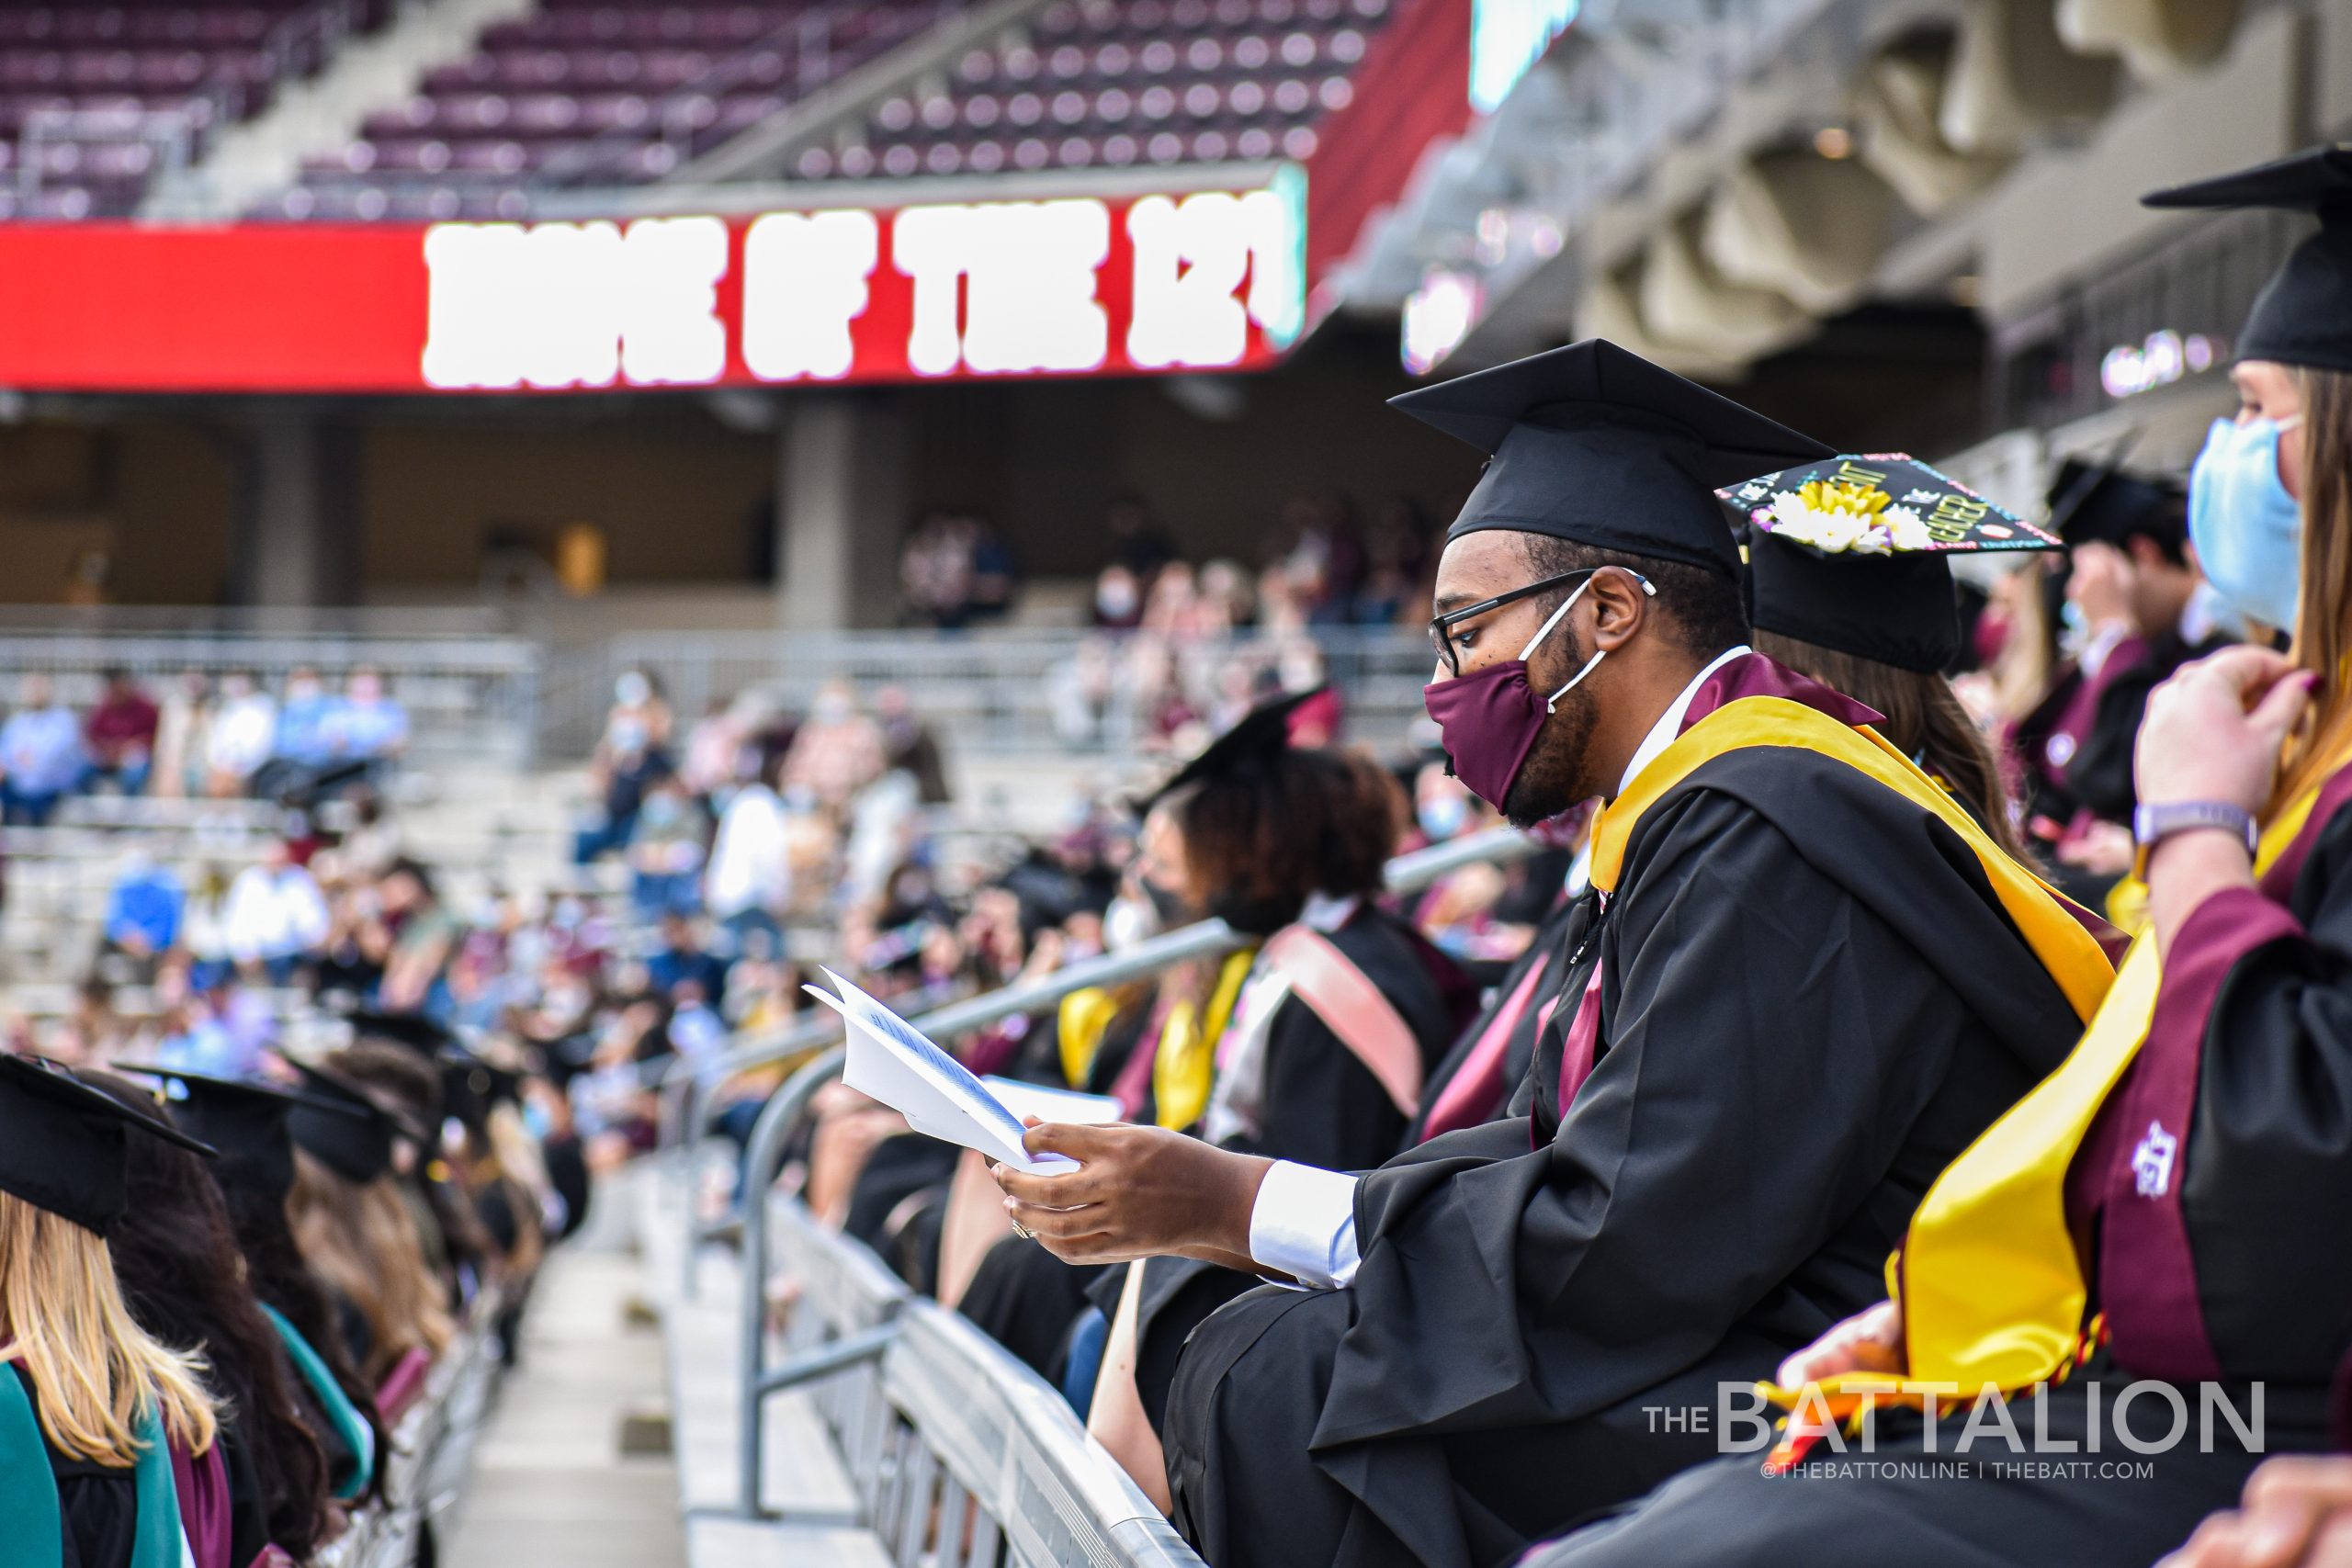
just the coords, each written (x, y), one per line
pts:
(1879, 503)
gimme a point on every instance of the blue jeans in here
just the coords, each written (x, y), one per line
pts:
(19, 809)
(658, 893)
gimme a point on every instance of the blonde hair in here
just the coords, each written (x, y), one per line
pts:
(94, 1370)
(362, 1244)
(2323, 629)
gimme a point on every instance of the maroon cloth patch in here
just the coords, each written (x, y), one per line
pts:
(1754, 675)
(2147, 1274)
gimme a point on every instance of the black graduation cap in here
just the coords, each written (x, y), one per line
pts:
(421, 1034)
(470, 1086)
(2303, 315)
(1263, 732)
(244, 1119)
(64, 1145)
(1853, 554)
(2103, 503)
(352, 1133)
(1593, 444)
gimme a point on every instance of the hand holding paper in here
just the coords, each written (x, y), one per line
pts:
(894, 1062)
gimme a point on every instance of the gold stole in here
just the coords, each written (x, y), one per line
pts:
(1992, 1288)
(2051, 927)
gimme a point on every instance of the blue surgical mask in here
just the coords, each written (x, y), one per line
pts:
(2248, 531)
(1442, 815)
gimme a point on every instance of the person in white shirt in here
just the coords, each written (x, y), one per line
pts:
(275, 917)
(748, 884)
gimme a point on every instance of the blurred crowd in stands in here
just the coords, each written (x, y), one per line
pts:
(200, 737)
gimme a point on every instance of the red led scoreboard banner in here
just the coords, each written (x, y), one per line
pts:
(1200, 280)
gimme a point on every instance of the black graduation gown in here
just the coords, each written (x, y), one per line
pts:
(1319, 1106)
(98, 1504)
(2078, 739)
(1809, 1002)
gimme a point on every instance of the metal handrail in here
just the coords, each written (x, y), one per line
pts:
(781, 1117)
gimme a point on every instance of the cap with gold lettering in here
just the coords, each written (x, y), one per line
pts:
(1853, 554)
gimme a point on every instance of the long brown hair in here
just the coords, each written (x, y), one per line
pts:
(1925, 719)
(362, 1243)
(2323, 629)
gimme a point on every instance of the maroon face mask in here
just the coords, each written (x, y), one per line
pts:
(1489, 720)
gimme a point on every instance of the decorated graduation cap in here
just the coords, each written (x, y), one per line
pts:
(1592, 444)
(2303, 315)
(1262, 733)
(2101, 504)
(64, 1146)
(1853, 554)
(343, 1126)
(244, 1119)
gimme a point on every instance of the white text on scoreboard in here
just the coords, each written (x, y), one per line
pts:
(1068, 287)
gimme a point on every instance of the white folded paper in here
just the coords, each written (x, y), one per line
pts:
(1065, 1105)
(893, 1061)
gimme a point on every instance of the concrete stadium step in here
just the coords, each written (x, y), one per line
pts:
(549, 1482)
(802, 1475)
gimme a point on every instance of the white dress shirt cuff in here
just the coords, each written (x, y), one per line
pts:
(1304, 1224)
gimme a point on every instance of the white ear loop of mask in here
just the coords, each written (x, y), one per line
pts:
(1553, 620)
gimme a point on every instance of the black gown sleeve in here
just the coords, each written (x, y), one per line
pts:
(2267, 1192)
(1771, 1044)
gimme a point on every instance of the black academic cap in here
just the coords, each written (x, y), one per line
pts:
(342, 1125)
(2099, 503)
(1263, 732)
(2303, 315)
(1599, 445)
(64, 1144)
(1854, 554)
(470, 1086)
(413, 1030)
(244, 1119)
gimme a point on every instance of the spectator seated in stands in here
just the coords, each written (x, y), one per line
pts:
(368, 724)
(665, 852)
(120, 734)
(748, 887)
(241, 737)
(41, 758)
(681, 960)
(277, 916)
(631, 757)
(142, 918)
(302, 745)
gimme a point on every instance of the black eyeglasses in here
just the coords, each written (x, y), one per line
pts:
(1441, 626)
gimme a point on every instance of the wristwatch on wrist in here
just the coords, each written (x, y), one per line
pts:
(2151, 825)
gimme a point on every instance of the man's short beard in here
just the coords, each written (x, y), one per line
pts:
(1550, 780)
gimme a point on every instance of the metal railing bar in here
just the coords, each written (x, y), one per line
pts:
(823, 1362)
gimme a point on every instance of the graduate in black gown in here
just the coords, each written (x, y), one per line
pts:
(1340, 1020)
(246, 1122)
(2135, 586)
(1882, 628)
(1805, 981)
(2173, 1209)
(87, 1450)
(175, 1256)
